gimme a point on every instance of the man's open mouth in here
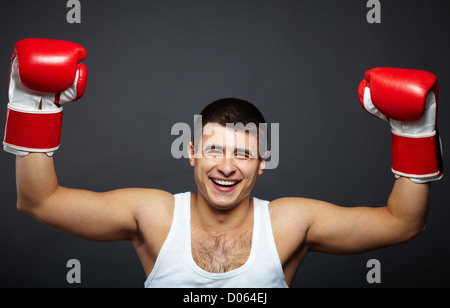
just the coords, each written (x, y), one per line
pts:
(225, 183)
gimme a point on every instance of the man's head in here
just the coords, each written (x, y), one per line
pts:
(226, 153)
(232, 112)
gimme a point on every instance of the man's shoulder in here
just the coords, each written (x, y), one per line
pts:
(292, 202)
(158, 203)
(149, 196)
(293, 209)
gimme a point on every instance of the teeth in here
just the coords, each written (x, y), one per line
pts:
(224, 183)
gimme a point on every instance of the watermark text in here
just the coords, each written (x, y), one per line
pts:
(253, 145)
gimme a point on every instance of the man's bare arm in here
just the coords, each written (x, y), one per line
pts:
(347, 230)
(408, 100)
(90, 215)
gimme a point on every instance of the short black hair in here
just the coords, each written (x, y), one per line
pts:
(231, 110)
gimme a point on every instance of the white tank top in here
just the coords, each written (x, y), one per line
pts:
(176, 268)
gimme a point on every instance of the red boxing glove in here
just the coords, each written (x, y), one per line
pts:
(45, 74)
(408, 99)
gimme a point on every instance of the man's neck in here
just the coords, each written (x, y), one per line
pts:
(210, 219)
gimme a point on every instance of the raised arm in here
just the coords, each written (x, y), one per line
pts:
(90, 215)
(44, 75)
(408, 100)
(347, 230)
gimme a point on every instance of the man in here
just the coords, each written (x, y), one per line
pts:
(219, 236)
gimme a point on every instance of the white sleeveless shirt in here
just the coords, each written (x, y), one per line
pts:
(175, 267)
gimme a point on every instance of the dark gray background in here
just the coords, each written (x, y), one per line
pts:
(155, 63)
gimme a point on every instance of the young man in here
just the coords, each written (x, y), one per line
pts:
(219, 236)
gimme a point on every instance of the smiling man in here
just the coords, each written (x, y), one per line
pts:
(221, 235)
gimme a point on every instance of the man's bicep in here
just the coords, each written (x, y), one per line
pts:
(348, 230)
(105, 216)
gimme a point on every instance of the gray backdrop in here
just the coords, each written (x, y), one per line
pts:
(155, 63)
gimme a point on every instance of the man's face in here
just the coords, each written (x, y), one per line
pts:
(228, 166)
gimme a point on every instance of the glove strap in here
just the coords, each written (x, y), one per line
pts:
(416, 157)
(33, 130)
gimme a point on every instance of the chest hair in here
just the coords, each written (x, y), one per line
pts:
(220, 252)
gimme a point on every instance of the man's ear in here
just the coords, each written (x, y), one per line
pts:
(191, 152)
(262, 166)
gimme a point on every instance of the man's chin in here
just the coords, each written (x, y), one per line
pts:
(224, 203)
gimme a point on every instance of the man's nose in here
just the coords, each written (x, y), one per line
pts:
(226, 166)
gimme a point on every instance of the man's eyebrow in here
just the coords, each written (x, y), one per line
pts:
(220, 148)
(246, 151)
(212, 147)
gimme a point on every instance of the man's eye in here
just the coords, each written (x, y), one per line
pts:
(242, 155)
(213, 153)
